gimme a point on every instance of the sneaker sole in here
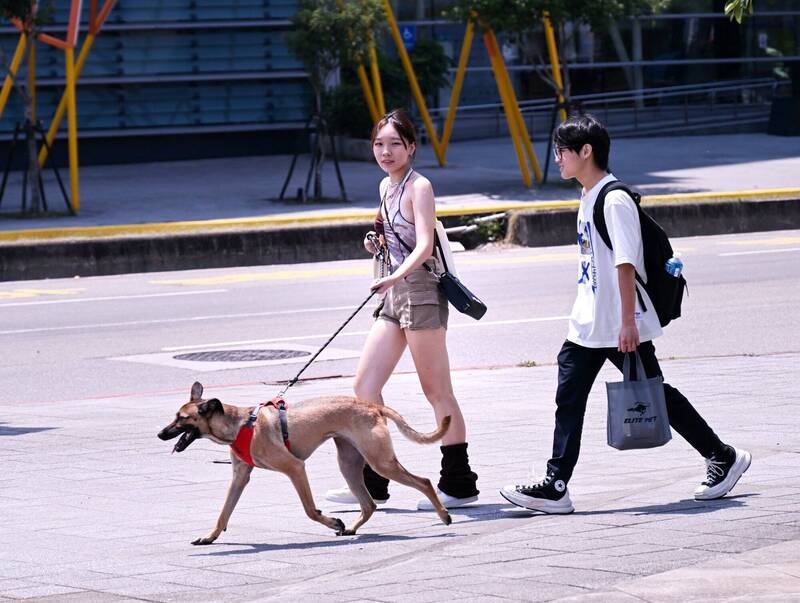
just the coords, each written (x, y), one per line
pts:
(551, 507)
(353, 501)
(747, 458)
(425, 505)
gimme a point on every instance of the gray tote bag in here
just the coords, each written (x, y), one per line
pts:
(637, 411)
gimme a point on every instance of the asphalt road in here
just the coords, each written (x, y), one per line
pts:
(71, 339)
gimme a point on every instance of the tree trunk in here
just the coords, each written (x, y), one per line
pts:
(33, 164)
(563, 40)
(622, 52)
(320, 150)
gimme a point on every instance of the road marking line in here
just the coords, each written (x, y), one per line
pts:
(227, 279)
(112, 298)
(169, 320)
(759, 251)
(772, 241)
(365, 270)
(24, 293)
(464, 325)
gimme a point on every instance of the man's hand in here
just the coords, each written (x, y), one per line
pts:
(628, 337)
(382, 285)
(628, 333)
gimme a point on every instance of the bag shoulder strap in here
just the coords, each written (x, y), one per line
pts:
(599, 216)
(599, 219)
(387, 219)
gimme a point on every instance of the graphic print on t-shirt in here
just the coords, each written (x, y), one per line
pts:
(588, 270)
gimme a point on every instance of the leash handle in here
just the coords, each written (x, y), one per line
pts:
(325, 345)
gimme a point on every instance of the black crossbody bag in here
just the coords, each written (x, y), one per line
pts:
(454, 290)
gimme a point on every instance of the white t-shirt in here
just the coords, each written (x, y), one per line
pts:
(596, 317)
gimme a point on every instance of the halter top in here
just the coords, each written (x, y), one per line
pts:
(401, 228)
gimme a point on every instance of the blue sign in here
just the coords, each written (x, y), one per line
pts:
(409, 35)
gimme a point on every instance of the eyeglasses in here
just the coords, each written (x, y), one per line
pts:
(558, 152)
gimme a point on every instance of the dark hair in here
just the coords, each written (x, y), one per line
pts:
(579, 130)
(402, 124)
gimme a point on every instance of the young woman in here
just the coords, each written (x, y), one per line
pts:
(413, 312)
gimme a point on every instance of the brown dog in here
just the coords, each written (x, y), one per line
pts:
(358, 428)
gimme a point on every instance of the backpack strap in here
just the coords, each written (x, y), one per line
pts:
(599, 216)
(599, 219)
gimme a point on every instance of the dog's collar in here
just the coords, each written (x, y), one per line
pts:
(241, 445)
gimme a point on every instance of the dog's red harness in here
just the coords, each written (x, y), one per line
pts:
(241, 445)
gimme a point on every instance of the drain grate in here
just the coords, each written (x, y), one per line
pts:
(241, 355)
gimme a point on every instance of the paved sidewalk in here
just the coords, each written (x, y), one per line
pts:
(97, 509)
(480, 174)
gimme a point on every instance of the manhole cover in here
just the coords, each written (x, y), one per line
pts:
(241, 355)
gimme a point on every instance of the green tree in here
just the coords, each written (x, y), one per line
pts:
(735, 9)
(515, 16)
(329, 35)
(345, 107)
(33, 16)
(519, 18)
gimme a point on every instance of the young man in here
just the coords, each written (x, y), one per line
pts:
(607, 321)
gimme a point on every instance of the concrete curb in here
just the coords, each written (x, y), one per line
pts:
(538, 229)
(356, 215)
(213, 249)
(217, 248)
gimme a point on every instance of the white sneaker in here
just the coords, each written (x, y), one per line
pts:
(722, 476)
(345, 497)
(450, 502)
(550, 495)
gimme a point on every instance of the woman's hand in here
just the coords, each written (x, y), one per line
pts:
(370, 241)
(382, 285)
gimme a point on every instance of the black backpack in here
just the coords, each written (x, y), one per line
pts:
(664, 290)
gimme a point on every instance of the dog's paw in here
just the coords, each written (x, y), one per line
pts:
(203, 540)
(345, 532)
(448, 520)
(338, 525)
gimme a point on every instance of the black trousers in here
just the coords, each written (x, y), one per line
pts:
(578, 367)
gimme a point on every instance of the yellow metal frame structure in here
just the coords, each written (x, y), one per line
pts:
(520, 136)
(68, 102)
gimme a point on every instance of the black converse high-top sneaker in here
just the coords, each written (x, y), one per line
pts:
(723, 470)
(548, 496)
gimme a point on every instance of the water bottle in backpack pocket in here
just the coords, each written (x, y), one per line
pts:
(665, 283)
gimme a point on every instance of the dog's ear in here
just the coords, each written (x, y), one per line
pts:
(197, 391)
(209, 407)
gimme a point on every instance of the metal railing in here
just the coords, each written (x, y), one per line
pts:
(649, 110)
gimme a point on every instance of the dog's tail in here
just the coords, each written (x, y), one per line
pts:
(411, 433)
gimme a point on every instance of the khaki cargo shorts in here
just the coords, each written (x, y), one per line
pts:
(415, 302)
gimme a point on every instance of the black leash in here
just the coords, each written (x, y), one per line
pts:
(380, 255)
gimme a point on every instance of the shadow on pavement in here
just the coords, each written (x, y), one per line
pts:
(15, 431)
(477, 512)
(335, 541)
(688, 506)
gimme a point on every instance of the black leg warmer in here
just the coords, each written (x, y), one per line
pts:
(457, 478)
(377, 485)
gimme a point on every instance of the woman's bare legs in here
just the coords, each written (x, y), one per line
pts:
(429, 351)
(458, 483)
(382, 350)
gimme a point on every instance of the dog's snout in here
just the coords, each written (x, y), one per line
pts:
(167, 433)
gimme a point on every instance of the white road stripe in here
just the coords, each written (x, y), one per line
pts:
(785, 250)
(132, 323)
(465, 325)
(111, 298)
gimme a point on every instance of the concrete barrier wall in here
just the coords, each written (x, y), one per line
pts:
(302, 243)
(532, 228)
(211, 249)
